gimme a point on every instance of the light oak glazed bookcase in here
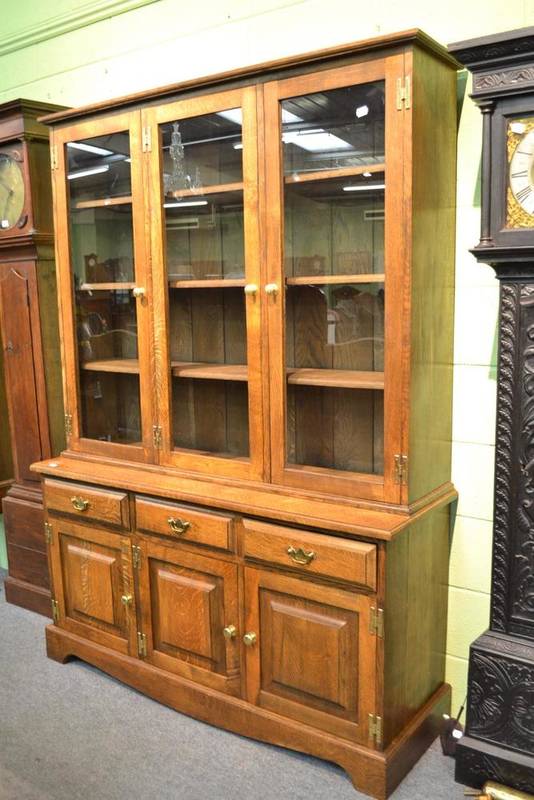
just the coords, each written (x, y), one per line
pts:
(251, 521)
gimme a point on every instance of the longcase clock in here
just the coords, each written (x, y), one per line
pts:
(499, 741)
(29, 340)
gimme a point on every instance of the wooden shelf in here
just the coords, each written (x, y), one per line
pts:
(129, 365)
(218, 188)
(209, 283)
(336, 378)
(329, 174)
(100, 287)
(104, 202)
(215, 372)
(308, 280)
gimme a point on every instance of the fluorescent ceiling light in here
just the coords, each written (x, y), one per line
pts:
(287, 116)
(238, 146)
(316, 142)
(367, 174)
(233, 114)
(362, 111)
(84, 172)
(90, 148)
(517, 127)
(364, 187)
(186, 203)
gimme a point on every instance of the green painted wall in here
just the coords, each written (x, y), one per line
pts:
(91, 51)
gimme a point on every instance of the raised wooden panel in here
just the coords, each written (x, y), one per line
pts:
(187, 600)
(199, 526)
(314, 658)
(101, 505)
(329, 556)
(91, 573)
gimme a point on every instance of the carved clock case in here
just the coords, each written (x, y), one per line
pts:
(30, 342)
(499, 741)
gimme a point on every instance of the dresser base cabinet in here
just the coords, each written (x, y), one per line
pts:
(327, 643)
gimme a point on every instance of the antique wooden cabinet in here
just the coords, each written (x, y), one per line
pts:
(251, 520)
(31, 391)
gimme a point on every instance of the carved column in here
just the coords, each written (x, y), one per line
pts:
(499, 740)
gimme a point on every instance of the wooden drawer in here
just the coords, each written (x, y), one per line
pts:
(190, 524)
(88, 502)
(322, 555)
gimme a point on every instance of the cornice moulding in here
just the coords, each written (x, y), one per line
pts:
(86, 15)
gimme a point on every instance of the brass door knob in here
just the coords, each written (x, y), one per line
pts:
(251, 288)
(79, 503)
(271, 288)
(139, 291)
(230, 632)
(126, 599)
(250, 638)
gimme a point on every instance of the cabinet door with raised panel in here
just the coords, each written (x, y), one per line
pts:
(203, 170)
(104, 286)
(92, 584)
(336, 265)
(190, 614)
(309, 652)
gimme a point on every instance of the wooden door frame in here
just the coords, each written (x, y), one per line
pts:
(366, 486)
(130, 122)
(245, 468)
(256, 578)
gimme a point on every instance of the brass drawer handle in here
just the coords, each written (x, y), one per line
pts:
(79, 503)
(178, 525)
(300, 556)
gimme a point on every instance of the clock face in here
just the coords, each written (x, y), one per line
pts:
(520, 193)
(11, 192)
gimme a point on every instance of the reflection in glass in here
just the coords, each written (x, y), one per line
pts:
(99, 168)
(205, 237)
(335, 226)
(106, 326)
(336, 129)
(102, 245)
(110, 407)
(335, 326)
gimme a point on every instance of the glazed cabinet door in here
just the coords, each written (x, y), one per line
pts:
(189, 614)
(104, 286)
(92, 584)
(309, 652)
(203, 176)
(336, 256)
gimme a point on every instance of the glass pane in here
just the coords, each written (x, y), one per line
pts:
(202, 196)
(335, 227)
(339, 429)
(334, 201)
(336, 129)
(335, 326)
(102, 260)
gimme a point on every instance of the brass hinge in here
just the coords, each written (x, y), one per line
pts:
(68, 424)
(48, 532)
(136, 556)
(55, 610)
(147, 140)
(376, 622)
(404, 93)
(156, 434)
(141, 644)
(401, 468)
(375, 729)
(53, 157)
